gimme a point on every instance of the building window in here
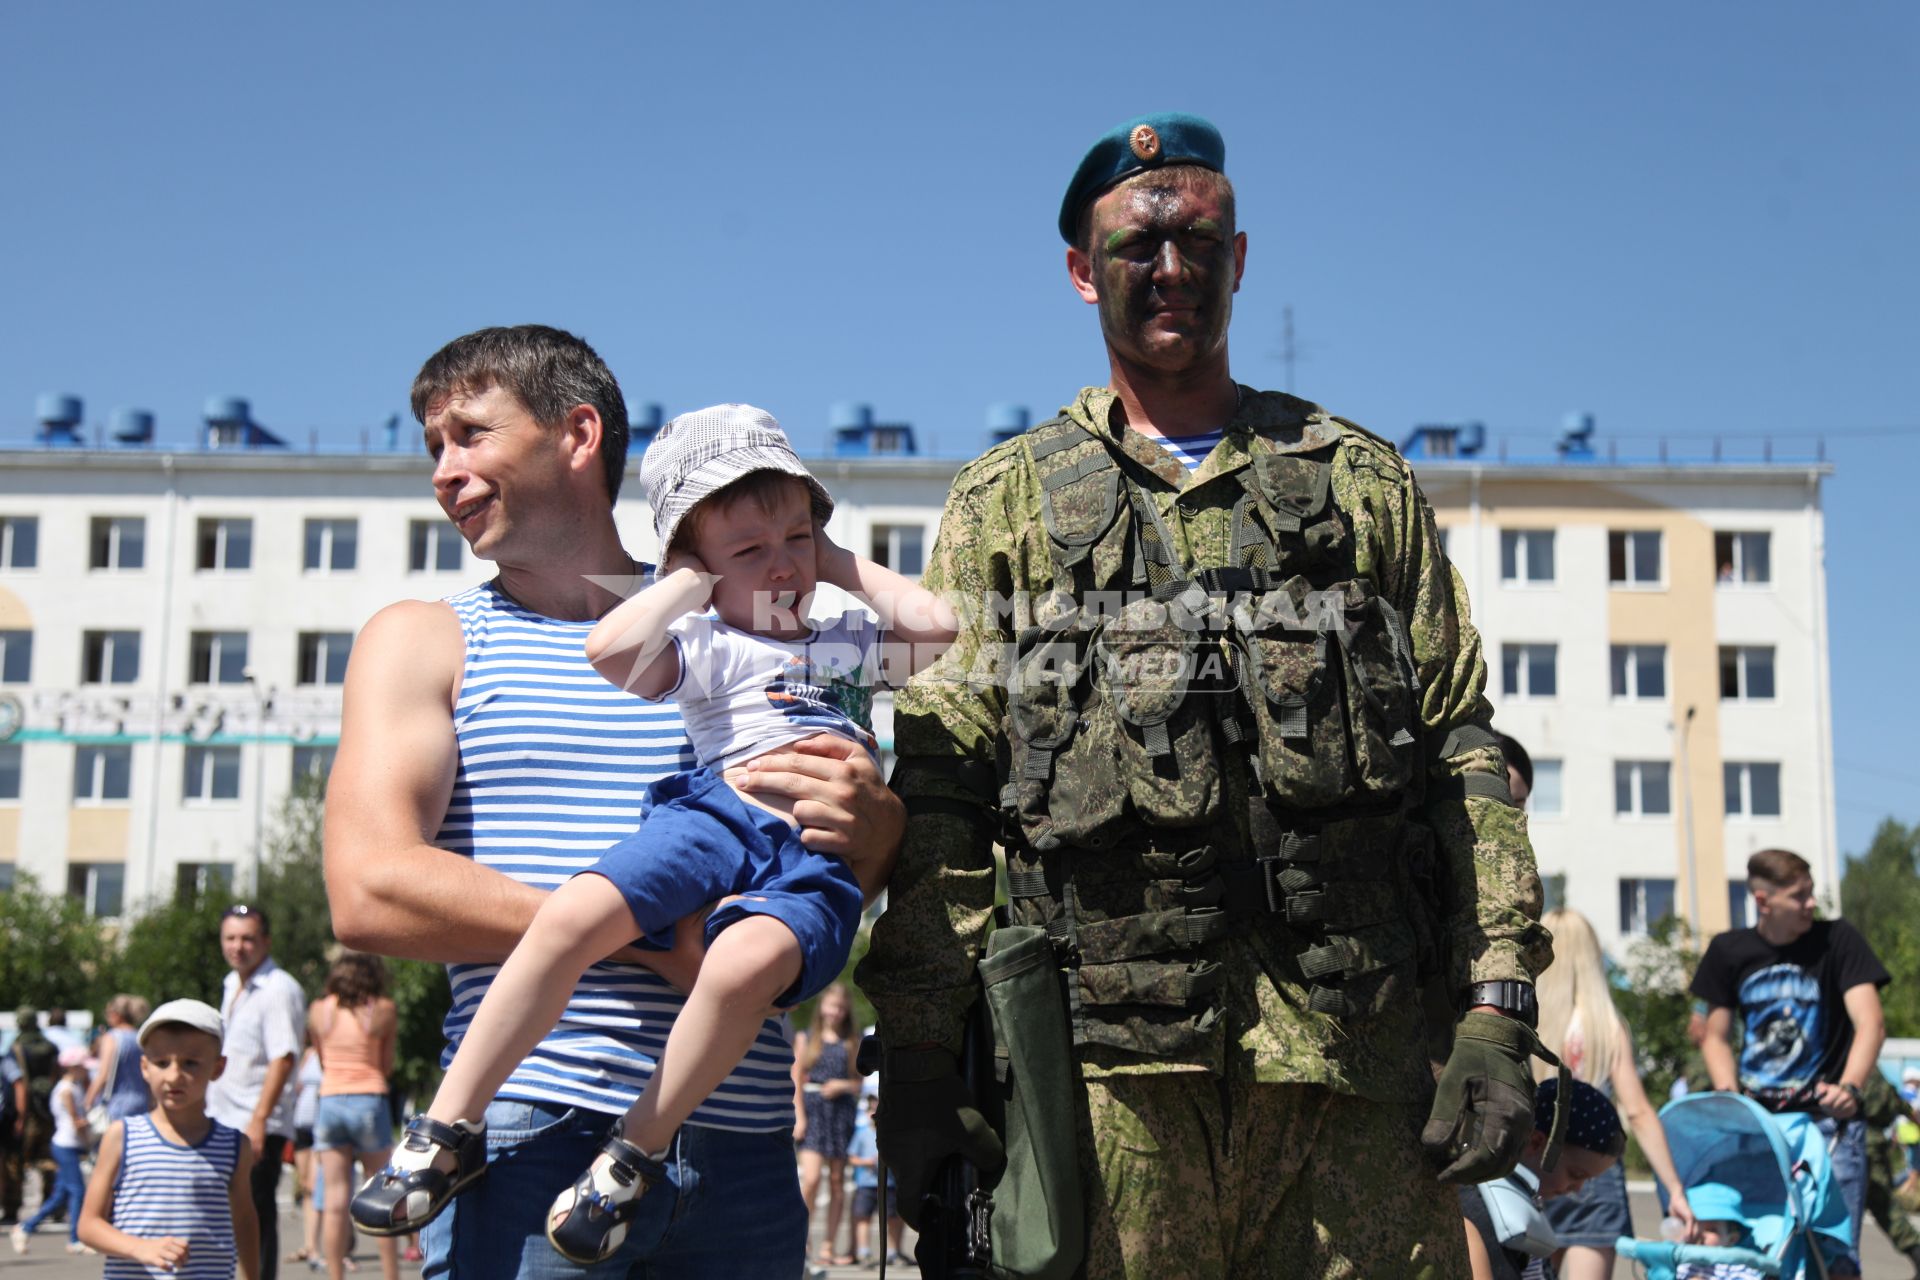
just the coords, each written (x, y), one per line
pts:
(898, 547)
(1740, 913)
(1642, 787)
(1639, 671)
(1548, 797)
(1633, 557)
(323, 656)
(312, 762)
(10, 770)
(1746, 672)
(1643, 904)
(118, 542)
(1526, 555)
(19, 542)
(102, 773)
(16, 657)
(109, 657)
(193, 881)
(332, 545)
(218, 657)
(212, 773)
(433, 545)
(1753, 789)
(6, 877)
(1529, 670)
(1745, 558)
(225, 544)
(100, 885)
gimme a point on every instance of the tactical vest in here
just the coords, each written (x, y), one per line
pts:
(1142, 683)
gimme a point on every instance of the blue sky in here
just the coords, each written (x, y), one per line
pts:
(1687, 220)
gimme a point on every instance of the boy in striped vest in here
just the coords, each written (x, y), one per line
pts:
(170, 1194)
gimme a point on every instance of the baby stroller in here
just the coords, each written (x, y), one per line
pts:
(1769, 1172)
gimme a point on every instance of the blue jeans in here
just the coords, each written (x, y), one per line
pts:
(69, 1187)
(730, 1205)
(1849, 1155)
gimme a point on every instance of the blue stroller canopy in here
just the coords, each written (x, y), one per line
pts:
(1768, 1172)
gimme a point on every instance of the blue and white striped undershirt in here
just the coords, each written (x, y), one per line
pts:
(1191, 451)
(165, 1189)
(554, 766)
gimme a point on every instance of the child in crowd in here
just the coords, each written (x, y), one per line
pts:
(170, 1192)
(1508, 1236)
(741, 523)
(1721, 1233)
(69, 1144)
(863, 1155)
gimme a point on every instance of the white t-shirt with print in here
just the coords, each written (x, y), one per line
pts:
(743, 695)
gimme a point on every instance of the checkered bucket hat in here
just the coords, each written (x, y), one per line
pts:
(699, 453)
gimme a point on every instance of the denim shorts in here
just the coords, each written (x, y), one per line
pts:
(358, 1122)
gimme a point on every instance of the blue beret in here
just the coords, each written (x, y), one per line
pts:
(1142, 143)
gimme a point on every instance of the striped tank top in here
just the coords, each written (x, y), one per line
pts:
(165, 1189)
(553, 769)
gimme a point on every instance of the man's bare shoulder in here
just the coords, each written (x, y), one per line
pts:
(415, 642)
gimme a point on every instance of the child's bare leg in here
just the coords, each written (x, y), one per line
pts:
(746, 969)
(584, 921)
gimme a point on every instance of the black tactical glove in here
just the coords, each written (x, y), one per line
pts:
(927, 1114)
(1483, 1110)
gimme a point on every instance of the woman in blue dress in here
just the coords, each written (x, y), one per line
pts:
(828, 1089)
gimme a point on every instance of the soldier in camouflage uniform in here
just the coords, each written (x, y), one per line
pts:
(1229, 725)
(1880, 1106)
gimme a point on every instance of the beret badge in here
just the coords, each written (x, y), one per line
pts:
(1145, 143)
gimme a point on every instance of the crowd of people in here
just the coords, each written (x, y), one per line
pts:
(1299, 1014)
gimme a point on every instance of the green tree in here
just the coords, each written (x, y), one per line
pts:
(1880, 896)
(422, 996)
(52, 952)
(292, 887)
(1650, 991)
(172, 950)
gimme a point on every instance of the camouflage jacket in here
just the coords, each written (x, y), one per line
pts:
(992, 558)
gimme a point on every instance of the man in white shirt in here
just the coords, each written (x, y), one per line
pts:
(265, 1014)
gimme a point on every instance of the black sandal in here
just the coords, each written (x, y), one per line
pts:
(592, 1215)
(386, 1204)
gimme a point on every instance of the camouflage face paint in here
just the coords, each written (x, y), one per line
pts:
(1164, 265)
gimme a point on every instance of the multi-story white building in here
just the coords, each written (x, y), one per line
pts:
(174, 627)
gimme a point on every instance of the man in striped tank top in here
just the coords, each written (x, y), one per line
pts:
(171, 1193)
(483, 763)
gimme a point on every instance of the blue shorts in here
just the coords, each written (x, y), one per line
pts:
(701, 842)
(358, 1122)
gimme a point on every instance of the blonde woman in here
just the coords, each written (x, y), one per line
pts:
(827, 1088)
(1578, 1022)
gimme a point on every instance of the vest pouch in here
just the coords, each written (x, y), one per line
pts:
(1355, 974)
(1064, 783)
(1293, 692)
(1293, 493)
(1038, 1225)
(1158, 673)
(1382, 692)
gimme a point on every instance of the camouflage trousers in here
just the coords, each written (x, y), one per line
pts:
(1886, 1169)
(1191, 1177)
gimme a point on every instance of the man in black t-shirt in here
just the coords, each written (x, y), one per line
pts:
(1808, 996)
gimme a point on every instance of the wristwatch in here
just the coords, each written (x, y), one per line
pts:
(1513, 998)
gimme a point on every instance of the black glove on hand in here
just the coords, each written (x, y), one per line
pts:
(927, 1114)
(1483, 1110)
